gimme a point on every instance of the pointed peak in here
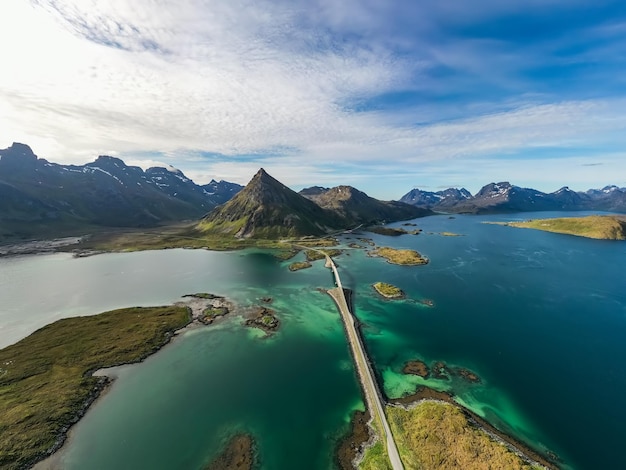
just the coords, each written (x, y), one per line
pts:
(265, 178)
(261, 174)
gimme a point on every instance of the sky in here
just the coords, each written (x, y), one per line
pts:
(383, 95)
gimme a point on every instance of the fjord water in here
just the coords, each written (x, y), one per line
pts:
(539, 317)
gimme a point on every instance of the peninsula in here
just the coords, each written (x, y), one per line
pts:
(602, 227)
(46, 381)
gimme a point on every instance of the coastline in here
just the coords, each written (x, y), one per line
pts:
(525, 452)
(52, 458)
(35, 247)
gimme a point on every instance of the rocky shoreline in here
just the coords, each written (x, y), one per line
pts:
(424, 393)
(265, 319)
(439, 370)
(39, 246)
(206, 308)
(239, 453)
(388, 291)
(196, 304)
(351, 447)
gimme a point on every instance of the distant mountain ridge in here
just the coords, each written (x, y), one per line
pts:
(356, 207)
(504, 197)
(36, 195)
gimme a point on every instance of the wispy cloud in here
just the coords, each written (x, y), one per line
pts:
(309, 87)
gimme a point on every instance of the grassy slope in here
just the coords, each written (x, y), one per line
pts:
(405, 257)
(593, 226)
(436, 435)
(44, 380)
(388, 290)
(267, 209)
(375, 458)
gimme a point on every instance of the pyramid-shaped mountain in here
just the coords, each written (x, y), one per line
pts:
(356, 207)
(266, 208)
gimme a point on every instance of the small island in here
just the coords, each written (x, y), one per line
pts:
(416, 367)
(298, 265)
(393, 231)
(388, 291)
(265, 319)
(440, 371)
(603, 227)
(401, 257)
(388, 231)
(211, 313)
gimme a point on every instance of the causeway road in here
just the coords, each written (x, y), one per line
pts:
(364, 369)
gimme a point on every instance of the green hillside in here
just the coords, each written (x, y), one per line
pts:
(266, 208)
(593, 226)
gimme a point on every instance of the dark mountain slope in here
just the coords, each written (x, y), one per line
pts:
(221, 191)
(356, 207)
(42, 198)
(504, 197)
(266, 208)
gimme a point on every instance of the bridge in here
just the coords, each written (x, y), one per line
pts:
(372, 394)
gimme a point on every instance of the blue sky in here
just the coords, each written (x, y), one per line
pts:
(381, 95)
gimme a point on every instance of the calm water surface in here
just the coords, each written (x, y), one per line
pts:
(539, 317)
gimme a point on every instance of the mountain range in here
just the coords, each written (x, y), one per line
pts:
(266, 208)
(504, 197)
(42, 199)
(37, 196)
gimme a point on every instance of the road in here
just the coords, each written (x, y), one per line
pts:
(364, 369)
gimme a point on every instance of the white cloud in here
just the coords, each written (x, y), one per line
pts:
(247, 78)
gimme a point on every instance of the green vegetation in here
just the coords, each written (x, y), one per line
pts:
(375, 458)
(403, 257)
(316, 242)
(299, 265)
(176, 236)
(388, 291)
(438, 436)
(267, 209)
(187, 236)
(214, 312)
(284, 255)
(268, 320)
(593, 226)
(265, 319)
(45, 379)
(314, 255)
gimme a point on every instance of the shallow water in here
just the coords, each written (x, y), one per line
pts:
(539, 317)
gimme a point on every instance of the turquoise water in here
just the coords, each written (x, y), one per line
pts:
(539, 317)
